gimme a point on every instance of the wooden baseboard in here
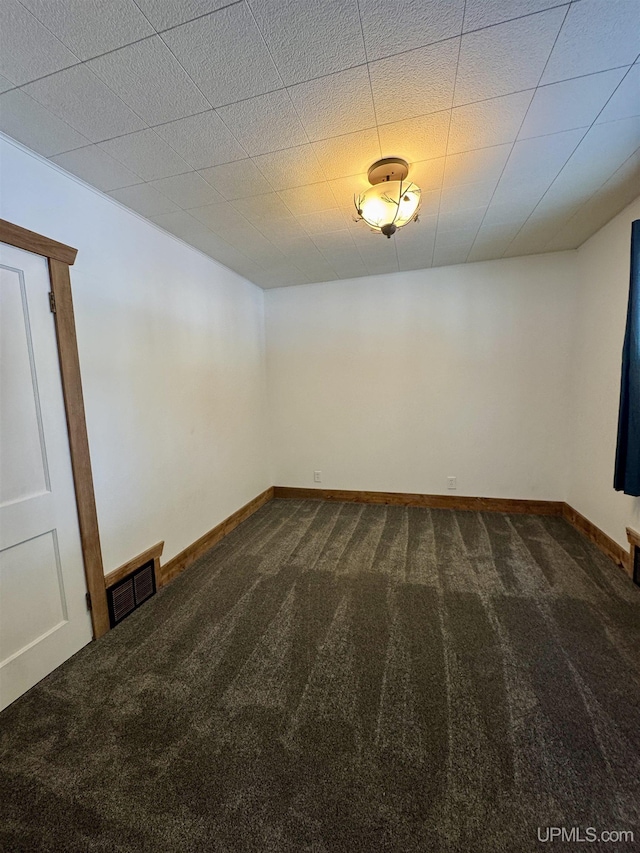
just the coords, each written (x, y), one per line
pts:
(510, 505)
(531, 507)
(605, 543)
(185, 558)
(154, 553)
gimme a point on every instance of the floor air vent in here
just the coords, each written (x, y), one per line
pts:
(129, 593)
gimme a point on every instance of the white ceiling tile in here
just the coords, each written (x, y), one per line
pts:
(151, 81)
(538, 160)
(507, 57)
(202, 140)
(414, 139)
(344, 190)
(30, 123)
(287, 231)
(616, 194)
(460, 221)
(487, 250)
(245, 267)
(414, 83)
(293, 167)
(237, 180)
(397, 27)
(167, 13)
(309, 198)
(225, 55)
(600, 153)
(464, 196)
(96, 167)
(351, 154)
(535, 235)
(263, 124)
(5, 84)
(508, 214)
(427, 174)
(448, 256)
(597, 34)
(82, 100)
(252, 243)
(569, 104)
(429, 203)
(323, 220)
(27, 49)
(146, 154)
(495, 233)
(144, 199)
(455, 237)
(472, 166)
(485, 13)
(284, 276)
(188, 190)
(625, 101)
(181, 223)
(516, 197)
(487, 123)
(90, 27)
(219, 217)
(268, 209)
(334, 105)
(322, 38)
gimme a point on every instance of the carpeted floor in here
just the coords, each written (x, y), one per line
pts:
(335, 677)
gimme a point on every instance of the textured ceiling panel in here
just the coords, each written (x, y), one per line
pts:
(336, 104)
(506, 58)
(96, 167)
(78, 97)
(246, 128)
(27, 49)
(225, 54)
(391, 28)
(324, 37)
(90, 27)
(151, 81)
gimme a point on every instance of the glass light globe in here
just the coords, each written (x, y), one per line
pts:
(389, 205)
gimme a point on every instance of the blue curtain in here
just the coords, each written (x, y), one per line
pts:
(627, 473)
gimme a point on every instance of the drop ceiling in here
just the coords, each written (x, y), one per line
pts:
(245, 128)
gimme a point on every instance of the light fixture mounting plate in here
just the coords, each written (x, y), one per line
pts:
(388, 169)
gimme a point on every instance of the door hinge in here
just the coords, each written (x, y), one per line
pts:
(52, 301)
(88, 600)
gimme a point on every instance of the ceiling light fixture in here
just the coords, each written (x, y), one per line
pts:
(392, 201)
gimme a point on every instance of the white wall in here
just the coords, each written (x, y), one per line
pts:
(397, 381)
(172, 357)
(603, 282)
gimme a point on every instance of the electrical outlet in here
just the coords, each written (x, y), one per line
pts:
(317, 476)
(451, 483)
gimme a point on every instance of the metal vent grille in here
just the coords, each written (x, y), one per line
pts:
(129, 593)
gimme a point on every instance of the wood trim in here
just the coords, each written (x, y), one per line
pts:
(79, 444)
(14, 235)
(633, 537)
(185, 558)
(154, 553)
(511, 505)
(605, 543)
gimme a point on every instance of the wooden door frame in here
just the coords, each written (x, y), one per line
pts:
(60, 257)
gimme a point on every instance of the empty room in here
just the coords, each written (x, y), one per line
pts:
(319, 426)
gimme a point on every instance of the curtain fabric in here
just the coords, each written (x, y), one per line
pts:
(627, 473)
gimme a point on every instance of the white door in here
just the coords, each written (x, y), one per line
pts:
(43, 612)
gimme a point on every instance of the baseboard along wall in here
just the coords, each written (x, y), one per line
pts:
(173, 567)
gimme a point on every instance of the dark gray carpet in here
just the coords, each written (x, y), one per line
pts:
(335, 677)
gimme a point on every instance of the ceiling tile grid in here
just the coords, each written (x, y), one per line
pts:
(245, 128)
